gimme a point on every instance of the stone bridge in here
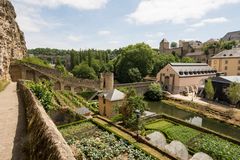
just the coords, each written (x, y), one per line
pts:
(33, 72)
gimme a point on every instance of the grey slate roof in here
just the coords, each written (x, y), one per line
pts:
(232, 78)
(192, 69)
(235, 52)
(232, 36)
(226, 79)
(113, 95)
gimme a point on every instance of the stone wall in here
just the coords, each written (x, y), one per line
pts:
(44, 139)
(12, 43)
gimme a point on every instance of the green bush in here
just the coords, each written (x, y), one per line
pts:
(84, 71)
(37, 61)
(209, 90)
(117, 118)
(43, 91)
(233, 93)
(154, 92)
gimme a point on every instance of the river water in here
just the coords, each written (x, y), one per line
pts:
(195, 119)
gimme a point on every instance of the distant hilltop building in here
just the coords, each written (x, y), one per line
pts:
(232, 36)
(192, 49)
(183, 48)
(227, 62)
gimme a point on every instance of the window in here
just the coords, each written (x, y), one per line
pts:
(226, 62)
(226, 68)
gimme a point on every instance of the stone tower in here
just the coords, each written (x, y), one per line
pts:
(185, 48)
(107, 81)
(164, 45)
(12, 42)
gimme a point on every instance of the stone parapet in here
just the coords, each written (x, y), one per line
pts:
(44, 139)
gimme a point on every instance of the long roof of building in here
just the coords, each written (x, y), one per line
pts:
(192, 69)
(226, 79)
(233, 53)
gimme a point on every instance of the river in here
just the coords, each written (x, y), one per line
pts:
(195, 119)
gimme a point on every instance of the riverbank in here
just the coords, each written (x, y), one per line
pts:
(223, 114)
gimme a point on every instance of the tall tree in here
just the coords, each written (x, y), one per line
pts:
(209, 90)
(233, 93)
(138, 56)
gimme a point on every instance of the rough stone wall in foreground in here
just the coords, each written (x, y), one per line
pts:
(12, 42)
(44, 139)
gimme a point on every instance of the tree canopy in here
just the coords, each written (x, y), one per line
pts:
(233, 93)
(84, 71)
(209, 90)
(154, 92)
(132, 58)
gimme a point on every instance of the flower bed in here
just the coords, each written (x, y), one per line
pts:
(197, 141)
(94, 143)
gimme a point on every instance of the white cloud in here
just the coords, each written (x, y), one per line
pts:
(154, 35)
(74, 38)
(104, 32)
(78, 4)
(174, 11)
(210, 21)
(30, 20)
(114, 42)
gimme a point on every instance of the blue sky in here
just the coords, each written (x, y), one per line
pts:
(103, 24)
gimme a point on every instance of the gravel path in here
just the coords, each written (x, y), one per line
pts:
(12, 124)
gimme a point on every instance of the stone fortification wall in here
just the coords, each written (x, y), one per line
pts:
(12, 43)
(44, 139)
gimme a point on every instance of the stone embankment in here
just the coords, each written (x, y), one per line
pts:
(211, 110)
(44, 139)
(12, 42)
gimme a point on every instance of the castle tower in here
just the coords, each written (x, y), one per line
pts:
(164, 45)
(107, 81)
(185, 48)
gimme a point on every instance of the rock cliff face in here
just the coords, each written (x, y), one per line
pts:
(12, 43)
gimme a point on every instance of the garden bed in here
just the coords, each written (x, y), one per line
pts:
(195, 140)
(88, 140)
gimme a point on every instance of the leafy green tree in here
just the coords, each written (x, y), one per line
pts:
(228, 44)
(209, 90)
(89, 59)
(131, 104)
(187, 60)
(138, 56)
(233, 93)
(62, 69)
(173, 45)
(134, 75)
(84, 71)
(211, 45)
(154, 92)
(161, 61)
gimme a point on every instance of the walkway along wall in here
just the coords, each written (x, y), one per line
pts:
(44, 139)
